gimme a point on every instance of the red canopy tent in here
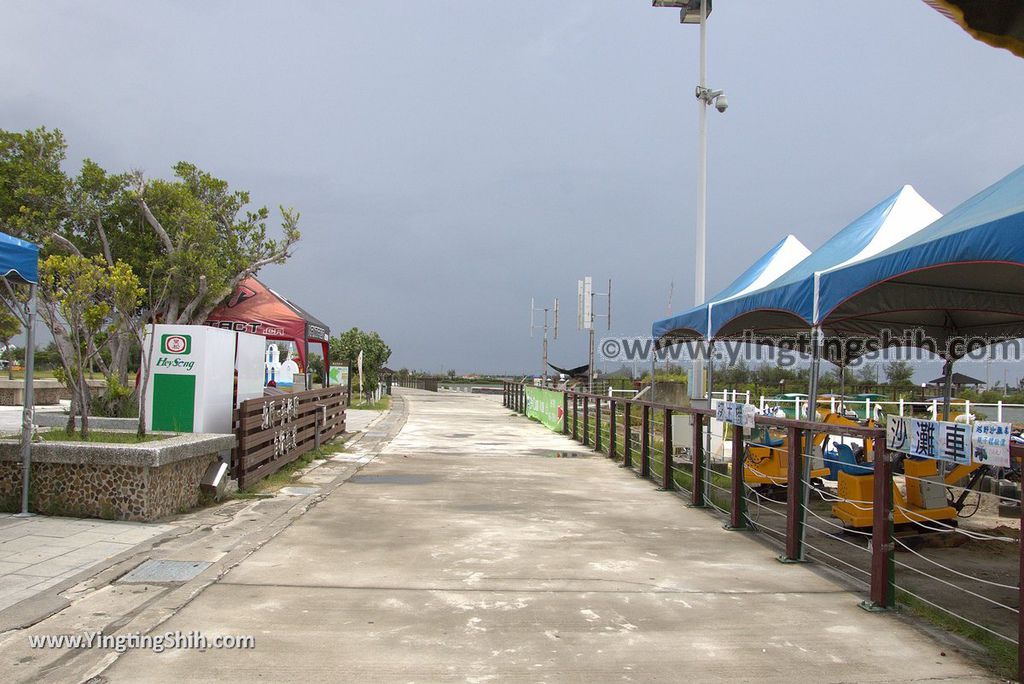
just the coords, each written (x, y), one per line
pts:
(255, 308)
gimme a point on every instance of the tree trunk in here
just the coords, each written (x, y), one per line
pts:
(83, 390)
(70, 427)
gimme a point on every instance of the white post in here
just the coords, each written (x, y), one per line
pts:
(27, 412)
(967, 407)
(747, 400)
(999, 411)
(831, 404)
(901, 406)
(935, 409)
(761, 404)
(867, 408)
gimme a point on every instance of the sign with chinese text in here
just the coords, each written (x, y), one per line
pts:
(991, 443)
(736, 413)
(939, 440)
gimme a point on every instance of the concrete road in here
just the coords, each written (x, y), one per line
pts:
(473, 550)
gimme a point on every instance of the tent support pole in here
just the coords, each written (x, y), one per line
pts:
(947, 387)
(309, 376)
(27, 414)
(812, 415)
(654, 367)
(707, 449)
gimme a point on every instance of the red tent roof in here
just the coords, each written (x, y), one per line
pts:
(255, 308)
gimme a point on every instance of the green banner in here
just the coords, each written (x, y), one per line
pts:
(546, 406)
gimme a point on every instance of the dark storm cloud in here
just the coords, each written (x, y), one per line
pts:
(454, 159)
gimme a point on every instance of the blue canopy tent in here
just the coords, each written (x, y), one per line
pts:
(961, 276)
(695, 323)
(19, 263)
(790, 303)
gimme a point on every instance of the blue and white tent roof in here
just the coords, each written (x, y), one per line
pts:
(694, 323)
(959, 276)
(18, 259)
(790, 303)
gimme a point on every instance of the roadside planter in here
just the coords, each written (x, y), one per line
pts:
(142, 482)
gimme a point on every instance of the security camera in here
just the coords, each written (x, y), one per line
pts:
(721, 103)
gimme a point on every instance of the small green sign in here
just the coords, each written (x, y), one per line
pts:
(546, 406)
(174, 400)
(179, 345)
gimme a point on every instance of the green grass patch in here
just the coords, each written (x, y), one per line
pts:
(1000, 655)
(383, 404)
(287, 475)
(99, 437)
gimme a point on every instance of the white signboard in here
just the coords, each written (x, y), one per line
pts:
(736, 413)
(991, 443)
(935, 439)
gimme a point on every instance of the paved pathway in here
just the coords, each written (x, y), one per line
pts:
(39, 552)
(472, 550)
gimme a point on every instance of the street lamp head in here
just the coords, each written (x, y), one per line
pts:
(689, 10)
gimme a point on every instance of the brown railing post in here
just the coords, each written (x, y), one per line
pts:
(611, 428)
(627, 435)
(597, 424)
(565, 412)
(736, 521)
(645, 441)
(575, 416)
(666, 441)
(883, 567)
(697, 491)
(794, 496)
(586, 420)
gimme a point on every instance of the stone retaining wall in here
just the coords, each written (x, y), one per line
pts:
(46, 391)
(142, 482)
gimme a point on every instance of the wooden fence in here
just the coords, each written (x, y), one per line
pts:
(274, 431)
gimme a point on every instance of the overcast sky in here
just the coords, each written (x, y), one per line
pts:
(454, 158)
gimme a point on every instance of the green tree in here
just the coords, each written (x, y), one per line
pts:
(79, 300)
(345, 349)
(900, 374)
(190, 240)
(10, 326)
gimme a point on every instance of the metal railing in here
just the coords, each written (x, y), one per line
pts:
(794, 506)
(428, 384)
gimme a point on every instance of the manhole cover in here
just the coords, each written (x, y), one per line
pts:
(164, 572)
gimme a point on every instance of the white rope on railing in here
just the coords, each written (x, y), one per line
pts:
(955, 572)
(956, 615)
(919, 520)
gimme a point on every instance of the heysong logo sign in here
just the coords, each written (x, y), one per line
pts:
(175, 345)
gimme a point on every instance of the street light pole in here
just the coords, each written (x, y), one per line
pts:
(696, 12)
(696, 379)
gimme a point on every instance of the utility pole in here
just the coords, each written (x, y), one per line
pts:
(585, 317)
(544, 354)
